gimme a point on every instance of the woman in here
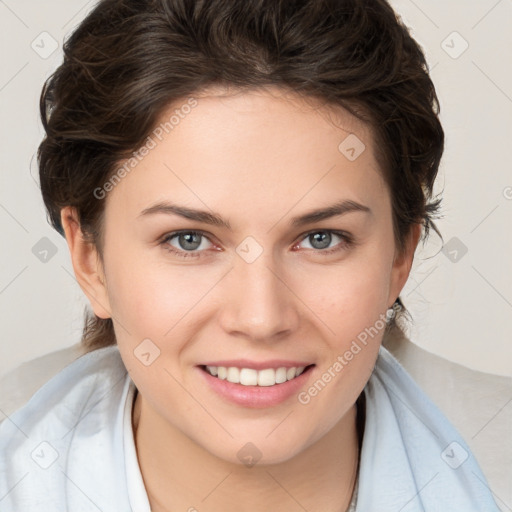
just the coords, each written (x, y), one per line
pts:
(242, 186)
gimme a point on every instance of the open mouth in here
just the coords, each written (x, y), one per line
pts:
(251, 377)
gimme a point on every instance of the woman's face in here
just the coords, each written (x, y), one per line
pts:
(262, 279)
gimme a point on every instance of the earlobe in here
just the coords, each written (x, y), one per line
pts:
(86, 263)
(403, 263)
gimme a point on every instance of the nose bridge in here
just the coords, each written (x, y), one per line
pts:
(258, 304)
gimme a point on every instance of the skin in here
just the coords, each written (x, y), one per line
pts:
(257, 159)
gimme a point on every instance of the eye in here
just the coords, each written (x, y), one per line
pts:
(323, 240)
(186, 243)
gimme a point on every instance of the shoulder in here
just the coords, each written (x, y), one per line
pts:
(411, 447)
(72, 389)
(63, 376)
(19, 384)
(66, 426)
(477, 404)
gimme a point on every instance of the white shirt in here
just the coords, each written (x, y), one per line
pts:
(71, 447)
(137, 495)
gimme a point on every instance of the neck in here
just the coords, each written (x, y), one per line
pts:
(180, 475)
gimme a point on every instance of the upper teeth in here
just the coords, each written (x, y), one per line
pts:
(251, 377)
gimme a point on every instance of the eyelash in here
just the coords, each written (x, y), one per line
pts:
(346, 243)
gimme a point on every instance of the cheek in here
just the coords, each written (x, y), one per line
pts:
(349, 296)
(153, 299)
(154, 304)
(350, 301)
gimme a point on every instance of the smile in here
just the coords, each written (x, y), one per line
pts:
(252, 377)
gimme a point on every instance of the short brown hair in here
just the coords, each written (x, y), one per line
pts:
(130, 59)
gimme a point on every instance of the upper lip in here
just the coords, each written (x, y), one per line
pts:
(255, 365)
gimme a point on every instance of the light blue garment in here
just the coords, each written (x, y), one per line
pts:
(71, 449)
(412, 458)
(77, 416)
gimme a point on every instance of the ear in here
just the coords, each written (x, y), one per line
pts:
(402, 264)
(86, 263)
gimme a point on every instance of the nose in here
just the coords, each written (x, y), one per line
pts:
(259, 303)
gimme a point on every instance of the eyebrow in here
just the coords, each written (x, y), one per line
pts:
(215, 219)
(188, 213)
(334, 210)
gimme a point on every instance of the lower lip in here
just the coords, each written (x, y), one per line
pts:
(256, 396)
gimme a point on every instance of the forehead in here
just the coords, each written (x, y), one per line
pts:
(267, 109)
(262, 146)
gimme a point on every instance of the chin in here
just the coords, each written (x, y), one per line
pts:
(259, 452)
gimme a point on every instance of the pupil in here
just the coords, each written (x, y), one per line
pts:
(320, 240)
(190, 240)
